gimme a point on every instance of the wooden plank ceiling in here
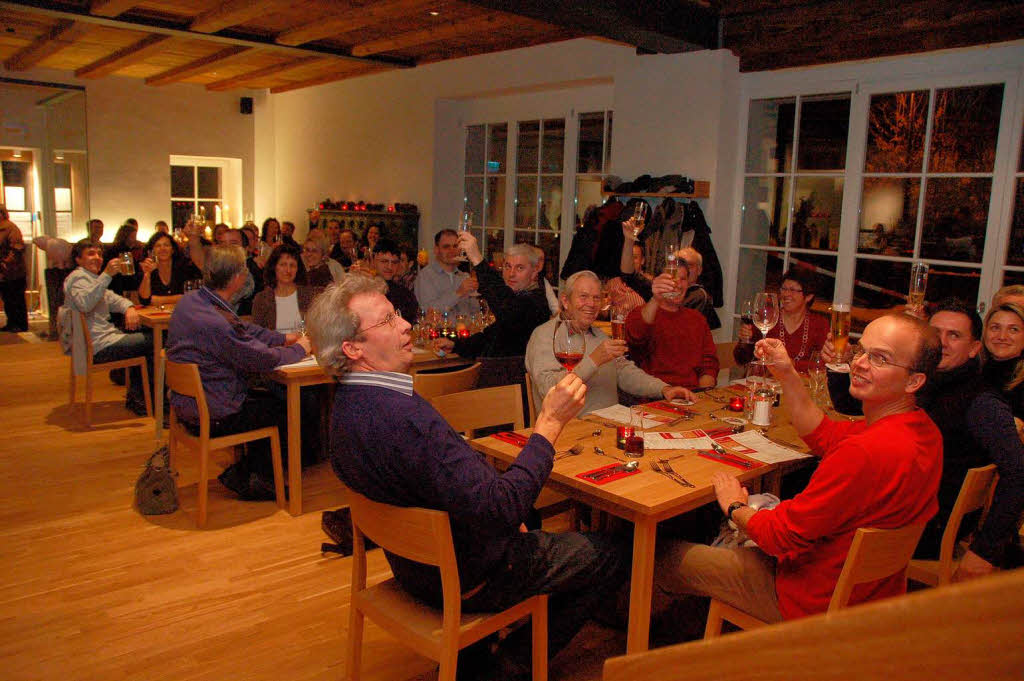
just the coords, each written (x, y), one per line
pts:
(288, 44)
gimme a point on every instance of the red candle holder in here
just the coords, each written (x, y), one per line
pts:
(736, 404)
(463, 333)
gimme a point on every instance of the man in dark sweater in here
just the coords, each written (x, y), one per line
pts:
(977, 429)
(390, 445)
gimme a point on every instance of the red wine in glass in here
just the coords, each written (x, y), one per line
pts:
(634, 446)
(569, 360)
(567, 344)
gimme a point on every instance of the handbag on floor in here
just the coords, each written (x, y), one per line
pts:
(156, 491)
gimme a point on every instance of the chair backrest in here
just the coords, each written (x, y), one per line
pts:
(874, 554)
(428, 385)
(184, 379)
(531, 401)
(975, 493)
(87, 336)
(725, 356)
(467, 411)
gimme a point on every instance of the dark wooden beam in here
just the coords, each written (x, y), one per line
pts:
(126, 56)
(111, 8)
(62, 35)
(665, 26)
(321, 80)
(230, 13)
(242, 79)
(482, 24)
(342, 23)
(202, 65)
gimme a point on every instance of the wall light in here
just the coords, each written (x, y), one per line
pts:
(16, 153)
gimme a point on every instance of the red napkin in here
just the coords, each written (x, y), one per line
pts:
(669, 407)
(735, 464)
(602, 481)
(512, 438)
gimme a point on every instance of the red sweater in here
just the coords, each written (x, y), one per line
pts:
(885, 475)
(677, 347)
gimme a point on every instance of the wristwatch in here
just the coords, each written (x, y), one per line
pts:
(732, 508)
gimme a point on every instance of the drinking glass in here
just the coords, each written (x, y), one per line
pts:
(765, 315)
(634, 444)
(816, 372)
(747, 314)
(127, 264)
(300, 327)
(918, 284)
(638, 218)
(464, 225)
(840, 329)
(568, 344)
(671, 266)
(617, 316)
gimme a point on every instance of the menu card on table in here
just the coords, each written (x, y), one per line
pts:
(620, 413)
(307, 362)
(684, 439)
(756, 446)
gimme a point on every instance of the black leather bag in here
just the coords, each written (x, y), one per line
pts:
(156, 491)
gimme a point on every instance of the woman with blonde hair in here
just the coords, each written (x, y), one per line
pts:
(1003, 353)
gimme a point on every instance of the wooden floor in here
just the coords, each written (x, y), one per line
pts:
(93, 590)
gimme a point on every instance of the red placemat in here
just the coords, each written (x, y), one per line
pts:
(669, 407)
(602, 481)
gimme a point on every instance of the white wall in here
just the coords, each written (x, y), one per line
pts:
(134, 128)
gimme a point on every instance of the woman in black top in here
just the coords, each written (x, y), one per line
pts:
(164, 271)
(1003, 354)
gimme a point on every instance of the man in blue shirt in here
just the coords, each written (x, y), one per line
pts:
(390, 445)
(441, 285)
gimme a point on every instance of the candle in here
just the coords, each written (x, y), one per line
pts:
(736, 404)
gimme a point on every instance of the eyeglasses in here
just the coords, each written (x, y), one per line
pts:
(391, 319)
(877, 359)
(786, 289)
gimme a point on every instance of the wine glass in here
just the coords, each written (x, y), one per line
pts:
(816, 371)
(747, 313)
(638, 218)
(765, 315)
(671, 266)
(465, 222)
(568, 344)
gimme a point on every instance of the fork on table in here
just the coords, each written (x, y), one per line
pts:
(666, 469)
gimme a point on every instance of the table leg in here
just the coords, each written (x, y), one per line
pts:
(641, 586)
(158, 382)
(294, 449)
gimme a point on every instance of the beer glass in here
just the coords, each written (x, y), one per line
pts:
(840, 328)
(127, 264)
(918, 284)
(671, 266)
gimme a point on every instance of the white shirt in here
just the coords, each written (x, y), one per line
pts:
(288, 316)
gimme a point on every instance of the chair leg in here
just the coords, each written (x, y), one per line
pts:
(275, 456)
(449, 661)
(713, 629)
(354, 650)
(145, 390)
(204, 475)
(539, 624)
(88, 400)
(71, 388)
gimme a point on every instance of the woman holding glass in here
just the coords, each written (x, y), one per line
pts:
(283, 303)
(1003, 353)
(164, 271)
(802, 331)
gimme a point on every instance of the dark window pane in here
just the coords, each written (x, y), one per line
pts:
(61, 175)
(15, 173)
(181, 212)
(183, 181)
(824, 127)
(762, 271)
(764, 211)
(209, 183)
(608, 146)
(896, 126)
(526, 153)
(1013, 277)
(965, 128)
(495, 243)
(770, 135)
(526, 202)
(524, 237)
(474, 150)
(553, 148)
(955, 216)
(497, 145)
(818, 204)
(1015, 253)
(473, 198)
(888, 216)
(822, 271)
(495, 205)
(591, 143)
(549, 243)
(882, 285)
(550, 216)
(209, 209)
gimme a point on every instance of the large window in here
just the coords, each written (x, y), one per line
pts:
(484, 185)
(593, 160)
(195, 189)
(1014, 272)
(793, 191)
(540, 160)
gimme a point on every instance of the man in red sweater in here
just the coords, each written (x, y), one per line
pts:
(881, 472)
(670, 341)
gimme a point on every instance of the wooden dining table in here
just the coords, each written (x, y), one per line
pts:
(647, 497)
(158, 320)
(295, 376)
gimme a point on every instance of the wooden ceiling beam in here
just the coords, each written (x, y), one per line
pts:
(126, 56)
(230, 13)
(202, 65)
(62, 35)
(367, 16)
(321, 80)
(665, 26)
(111, 8)
(243, 78)
(445, 31)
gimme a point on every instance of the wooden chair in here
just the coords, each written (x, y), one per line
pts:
(184, 379)
(92, 368)
(975, 493)
(484, 408)
(428, 385)
(874, 554)
(531, 401)
(726, 361)
(964, 631)
(425, 536)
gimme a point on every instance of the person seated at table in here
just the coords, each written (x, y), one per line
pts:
(205, 330)
(164, 271)
(86, 290)
(386, 258)
(670, 341)
(441, 285)
(1013, 293)
(282, 305)
(369, 242)
(226, 237)
(882, 472)
(802, 331)
(288, 233)
(698, 297)
(519, 305)
(603, 368)
(125, 242)
(407, 266)
(390, 445)
(1003, 353)
(344, 250)
(549, 290)
(321, 271)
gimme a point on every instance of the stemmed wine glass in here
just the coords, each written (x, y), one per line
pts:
(765, 315)
(464, 224)
(747, 312)
(568, 344)
(671, 266)
(638, 218)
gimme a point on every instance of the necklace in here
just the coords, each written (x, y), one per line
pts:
(803, 342)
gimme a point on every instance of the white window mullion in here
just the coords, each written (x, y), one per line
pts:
(853, 190)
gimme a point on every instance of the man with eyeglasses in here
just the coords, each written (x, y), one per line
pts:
(977, 429)
(390, 445)
(882, 472)
(386, 259)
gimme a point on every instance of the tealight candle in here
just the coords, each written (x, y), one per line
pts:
(736, 404)
(621, 433)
